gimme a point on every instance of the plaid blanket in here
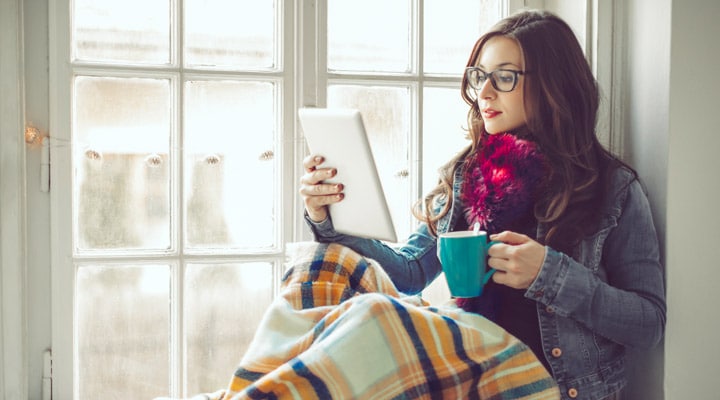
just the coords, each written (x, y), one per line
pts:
(339, 329)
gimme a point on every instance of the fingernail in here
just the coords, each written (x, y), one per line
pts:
(318, 158)
(339, 186)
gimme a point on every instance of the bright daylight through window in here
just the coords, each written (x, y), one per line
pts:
(181, 152)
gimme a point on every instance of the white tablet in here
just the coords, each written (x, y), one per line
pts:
(339, 136)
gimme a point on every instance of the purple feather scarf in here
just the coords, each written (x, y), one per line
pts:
(501, 182)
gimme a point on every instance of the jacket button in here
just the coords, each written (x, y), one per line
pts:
(549, 310)
(573, 393)
(556, 352)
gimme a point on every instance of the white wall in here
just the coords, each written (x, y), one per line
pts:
(693, 218)
(646, 54)
(668, 56)
(574, 12)
(673, 140)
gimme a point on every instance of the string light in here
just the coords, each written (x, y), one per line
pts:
(33, 136)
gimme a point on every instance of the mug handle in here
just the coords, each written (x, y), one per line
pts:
(491, 271)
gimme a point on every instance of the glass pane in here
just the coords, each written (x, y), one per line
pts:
(223, 307)
(230, 165)
(121, 138)
(123, 331)
(231, 33)
(131, 31)
(386, 113)
(444, 130)
(362, 39)
(444, 135)
(451, 29)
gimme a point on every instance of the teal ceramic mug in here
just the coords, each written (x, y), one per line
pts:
(463, 255)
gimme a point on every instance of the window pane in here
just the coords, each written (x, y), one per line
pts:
(230, 165)
(231, 33)
(132, 31)
(386, 113)
(356, 44)
(123, 326)
(444, 124)
(451, 29)
(121, 139)
(444, 130)
(223, 306)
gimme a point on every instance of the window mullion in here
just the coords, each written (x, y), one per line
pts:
(177, 326)
(416, 142)
(63, 279)
(287, 23)
(312, 52)
(320, 43)
(310, 83)
(177, 237)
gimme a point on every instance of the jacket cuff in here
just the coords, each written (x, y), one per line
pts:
(321, 230)
(547, 283)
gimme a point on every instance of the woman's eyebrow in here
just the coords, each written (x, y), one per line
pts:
(505, 64)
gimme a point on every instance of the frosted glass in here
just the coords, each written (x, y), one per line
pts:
(223, 307)
(444, 130)
(123, 331)
(386, 113)
(233, 34)
(444, 135)
(128, 31)
(230, 165)
(451, 29)
(369, 35)
(121, 142)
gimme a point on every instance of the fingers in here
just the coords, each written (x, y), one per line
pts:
(313, 174)
(322, 193)
(317, 176)
(316, 193)
(517, 259)
(510, 237)
(316, 202)
(506, 276)
(311, 162)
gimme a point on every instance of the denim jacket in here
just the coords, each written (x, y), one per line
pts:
(608, 295)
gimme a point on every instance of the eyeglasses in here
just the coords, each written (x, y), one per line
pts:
(503, 80)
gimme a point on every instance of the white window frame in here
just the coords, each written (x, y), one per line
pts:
(13, 314)
(63, 280)
(307, 89)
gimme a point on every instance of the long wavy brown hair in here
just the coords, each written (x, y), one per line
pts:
(561, 103)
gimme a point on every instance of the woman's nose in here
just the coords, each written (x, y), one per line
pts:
(486, 90)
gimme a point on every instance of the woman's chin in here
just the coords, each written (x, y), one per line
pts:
(493, 131)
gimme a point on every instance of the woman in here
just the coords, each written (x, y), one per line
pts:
(578, 274)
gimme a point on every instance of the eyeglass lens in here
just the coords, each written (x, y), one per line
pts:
(502, 80)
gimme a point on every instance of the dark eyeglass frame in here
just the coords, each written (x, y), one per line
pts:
(477, 85)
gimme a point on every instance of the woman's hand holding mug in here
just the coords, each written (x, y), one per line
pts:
(517, 260)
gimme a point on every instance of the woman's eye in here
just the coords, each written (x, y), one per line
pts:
(505, 78)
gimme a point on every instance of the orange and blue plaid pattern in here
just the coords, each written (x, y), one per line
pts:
(340, 330)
